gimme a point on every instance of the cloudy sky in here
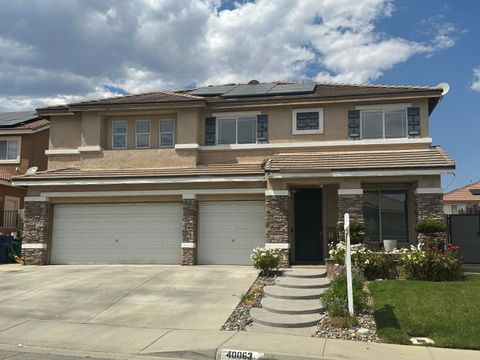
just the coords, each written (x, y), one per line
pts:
(56, 51)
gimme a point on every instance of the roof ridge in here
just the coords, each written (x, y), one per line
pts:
(378, 85)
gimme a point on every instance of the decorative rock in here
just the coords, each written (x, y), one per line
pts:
(363, 331)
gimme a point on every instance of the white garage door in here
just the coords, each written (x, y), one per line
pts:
(229, 231)
(126, 233)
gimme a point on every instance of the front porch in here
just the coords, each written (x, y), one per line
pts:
(302, 214)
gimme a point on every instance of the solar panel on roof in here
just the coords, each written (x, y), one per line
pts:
(249, 90)
(292, 89)
(475, 191)
(212, 90)
(13, 118)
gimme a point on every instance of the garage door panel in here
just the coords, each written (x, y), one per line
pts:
(220, 223)
(117, 233)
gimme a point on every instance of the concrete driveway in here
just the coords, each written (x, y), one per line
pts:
(152, 297)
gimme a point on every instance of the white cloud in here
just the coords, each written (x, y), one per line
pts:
(476, 80)
(144, 45)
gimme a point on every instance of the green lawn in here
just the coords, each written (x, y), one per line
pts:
(447, 312)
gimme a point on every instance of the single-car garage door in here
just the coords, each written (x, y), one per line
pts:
(125, 233)
(229, 231)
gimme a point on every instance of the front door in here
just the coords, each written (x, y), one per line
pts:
(308, 226)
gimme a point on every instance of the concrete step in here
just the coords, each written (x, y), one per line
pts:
(303, 331)
(305, 273)
(288, 306)
(264, 317)
(302, 283)
(292, 293)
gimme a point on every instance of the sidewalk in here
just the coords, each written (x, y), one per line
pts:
(117, 342)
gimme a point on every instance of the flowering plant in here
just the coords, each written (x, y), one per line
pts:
(373, 264)
(266, 260)
(427, 262)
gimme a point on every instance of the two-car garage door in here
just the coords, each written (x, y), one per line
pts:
(150, 233)
(126, 233)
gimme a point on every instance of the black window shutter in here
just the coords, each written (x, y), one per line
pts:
(413, 116)
(354, 124)
(262, 129)
(210, 128)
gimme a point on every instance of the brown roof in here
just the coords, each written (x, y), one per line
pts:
(322, 91)
(34, 125)
(5, 176)
(200, 170)
(463, 194)
(430, 158)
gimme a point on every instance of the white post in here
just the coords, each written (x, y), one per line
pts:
(348, 263)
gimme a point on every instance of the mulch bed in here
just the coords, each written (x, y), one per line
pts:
(240, 318)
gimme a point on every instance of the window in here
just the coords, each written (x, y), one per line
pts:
(453, 209)
(9, 149)
(385, 214)
(237, 130)
(384, 123)
(308, 121)
(142, 134)
(119, 134)
(167, 133)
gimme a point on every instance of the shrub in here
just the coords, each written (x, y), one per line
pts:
(470, 209)
(373, 264)
(431, 263)
(266, 260)
(432, 230)
(357, 232)
(334, 299)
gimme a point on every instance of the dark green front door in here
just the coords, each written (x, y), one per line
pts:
(308, 226)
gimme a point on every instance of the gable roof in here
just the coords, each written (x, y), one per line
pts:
(464, 193)
(255, 92)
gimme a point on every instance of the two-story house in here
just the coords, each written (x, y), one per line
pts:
(204, 176)
(23, 141)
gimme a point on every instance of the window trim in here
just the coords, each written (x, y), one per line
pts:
(126, 135)
(295, 131)
(383, 109)
(173, 132)
(149, 134)
(252, 114)
(18, 139)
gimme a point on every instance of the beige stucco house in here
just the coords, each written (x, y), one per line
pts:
(204, 176)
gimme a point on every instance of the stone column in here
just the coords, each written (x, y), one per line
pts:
(351, 201)
(189, 230)
(35, 231)
(276, 223)
(429, 205)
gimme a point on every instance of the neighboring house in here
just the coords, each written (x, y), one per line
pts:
(204, 176)
(458, 199)
(23, 141)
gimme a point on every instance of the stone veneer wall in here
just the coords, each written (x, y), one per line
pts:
(429, 206)
(189, 231)
(276, 223)
(353, 204)
(35, 231)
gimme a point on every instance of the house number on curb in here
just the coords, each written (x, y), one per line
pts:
(229, 354)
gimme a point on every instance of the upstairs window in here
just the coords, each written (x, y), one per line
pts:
(9, 149)
(384, 123)
(167, 133)
(237, 130)
(142, 134)
(119, 134)
(307, 121)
